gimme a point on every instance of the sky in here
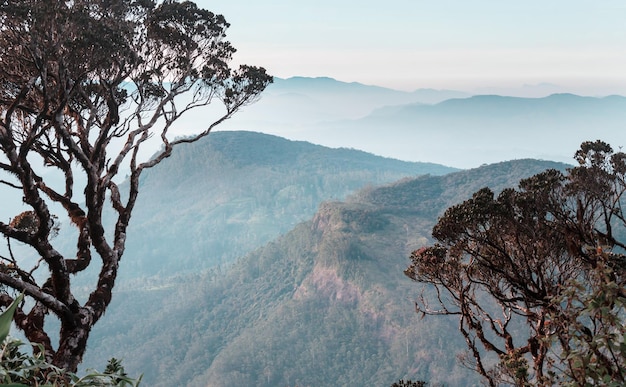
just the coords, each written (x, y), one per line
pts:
(472, 45)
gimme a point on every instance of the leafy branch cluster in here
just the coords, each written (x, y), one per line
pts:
(20, 369)
(537, 275)
(595, 321)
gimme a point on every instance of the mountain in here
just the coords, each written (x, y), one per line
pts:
(217, 199)
(440, 126)
(468, 132)
(290, 105)
(325, 304)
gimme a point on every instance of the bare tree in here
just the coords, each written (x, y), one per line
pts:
(84, 84)
(518, 268)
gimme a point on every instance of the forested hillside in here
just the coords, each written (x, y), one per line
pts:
(214, 201)
(326, 304)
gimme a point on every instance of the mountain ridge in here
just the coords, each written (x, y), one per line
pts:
(464, 130)
(247, 185)
(299, 81)
(324, 304)
(468, 132)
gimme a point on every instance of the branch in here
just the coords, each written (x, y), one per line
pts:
(476, 354)
(167, 152)
(59, 308)
(12, 185)
(17, 234)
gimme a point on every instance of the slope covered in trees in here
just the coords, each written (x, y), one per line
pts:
(232, 192)
(326, 304)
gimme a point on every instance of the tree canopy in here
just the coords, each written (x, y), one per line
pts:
(536, 275)
(84, 86)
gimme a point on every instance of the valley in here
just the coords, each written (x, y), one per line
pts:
(325, 303)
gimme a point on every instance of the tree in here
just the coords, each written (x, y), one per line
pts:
(84, 86)
(536, 276)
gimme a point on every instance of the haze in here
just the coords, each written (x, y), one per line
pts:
(322, 54)
(529, 48)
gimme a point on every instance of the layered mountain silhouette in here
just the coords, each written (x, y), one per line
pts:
(302, 101)
(485, 129)
(260, 260)
(441, 126)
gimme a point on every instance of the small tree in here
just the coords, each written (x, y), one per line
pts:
(84, 84)
(536, 275)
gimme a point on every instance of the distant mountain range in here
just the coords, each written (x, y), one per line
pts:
(325, 304)
(294, 104)
(442, 126)
(485, 129)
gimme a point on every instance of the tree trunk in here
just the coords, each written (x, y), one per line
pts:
(73, 341)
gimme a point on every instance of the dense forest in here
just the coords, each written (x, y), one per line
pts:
(232, 192)
(324, 304)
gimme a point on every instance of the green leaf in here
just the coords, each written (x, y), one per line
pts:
(7, 316)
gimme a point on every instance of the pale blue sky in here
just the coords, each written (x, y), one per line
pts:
(462, 44)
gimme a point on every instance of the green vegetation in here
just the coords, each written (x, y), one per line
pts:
(324, 304)
(409, 383)
(18, 368)
(21, 369)
(230, 193)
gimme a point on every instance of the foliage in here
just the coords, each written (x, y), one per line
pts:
(595, 323)
(7, 316)
(84, 86)
(19, 368)
(536, 275)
